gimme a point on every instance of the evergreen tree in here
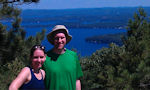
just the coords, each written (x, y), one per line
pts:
(15, 49)
(15, 46)
(122, 68)
(137, 46)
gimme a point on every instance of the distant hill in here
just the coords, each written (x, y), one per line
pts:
(81, 18)
(120, 17)
(107, 39)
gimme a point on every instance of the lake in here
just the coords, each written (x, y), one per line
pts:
(78, 38)
(82, 23)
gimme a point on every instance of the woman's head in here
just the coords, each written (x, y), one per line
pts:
(37, 56)
(35, 47)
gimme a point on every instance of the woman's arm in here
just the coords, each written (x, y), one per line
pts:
(23, 76)
(78, 85)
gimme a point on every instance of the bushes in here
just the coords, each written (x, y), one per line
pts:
(9, 72)
(15, 50)
(126, 67)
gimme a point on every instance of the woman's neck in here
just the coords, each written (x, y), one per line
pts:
(36, 70)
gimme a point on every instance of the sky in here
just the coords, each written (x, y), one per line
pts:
(72, 4)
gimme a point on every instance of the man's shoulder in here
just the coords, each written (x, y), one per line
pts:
(71, 52)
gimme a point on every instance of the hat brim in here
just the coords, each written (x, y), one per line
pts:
(51, 40)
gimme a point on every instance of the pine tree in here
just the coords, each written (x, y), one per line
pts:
(122, 67)
(15, 46)
(137, 46)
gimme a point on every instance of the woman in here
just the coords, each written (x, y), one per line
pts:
(32, 77)
(62, 66)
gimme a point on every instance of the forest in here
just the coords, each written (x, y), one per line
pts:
(125, 67)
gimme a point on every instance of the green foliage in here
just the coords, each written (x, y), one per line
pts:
(15, 46)
(121, 67)
(8, 7)
(104, 65)
(9, 72)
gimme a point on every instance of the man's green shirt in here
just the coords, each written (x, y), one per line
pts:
(62, 70)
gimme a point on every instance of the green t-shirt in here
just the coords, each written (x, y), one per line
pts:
(62, 70)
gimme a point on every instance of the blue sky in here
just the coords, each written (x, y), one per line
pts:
(69, 4)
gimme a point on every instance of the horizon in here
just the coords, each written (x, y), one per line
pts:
(91, 8)
(73, 4)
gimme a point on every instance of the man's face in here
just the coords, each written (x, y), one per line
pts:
(59, 41)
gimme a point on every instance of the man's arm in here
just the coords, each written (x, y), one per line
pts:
(78, 85)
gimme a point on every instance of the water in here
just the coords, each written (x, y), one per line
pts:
(78, 38)
(81, 24)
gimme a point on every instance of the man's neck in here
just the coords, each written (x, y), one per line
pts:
(59, 51)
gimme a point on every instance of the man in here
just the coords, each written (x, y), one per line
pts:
(62, 67)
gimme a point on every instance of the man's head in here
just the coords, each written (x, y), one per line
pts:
(59, 29)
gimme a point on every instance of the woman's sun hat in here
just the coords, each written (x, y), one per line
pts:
(59, 28)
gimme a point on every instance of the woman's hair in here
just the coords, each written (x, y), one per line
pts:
(35, 47)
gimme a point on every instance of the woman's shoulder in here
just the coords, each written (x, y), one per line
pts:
(25, 70)
(43, 73)
(24, 75)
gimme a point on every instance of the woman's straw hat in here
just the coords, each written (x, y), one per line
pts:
(58, 28)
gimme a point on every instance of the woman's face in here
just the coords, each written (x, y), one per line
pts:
(38, 58)
(59, 41)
